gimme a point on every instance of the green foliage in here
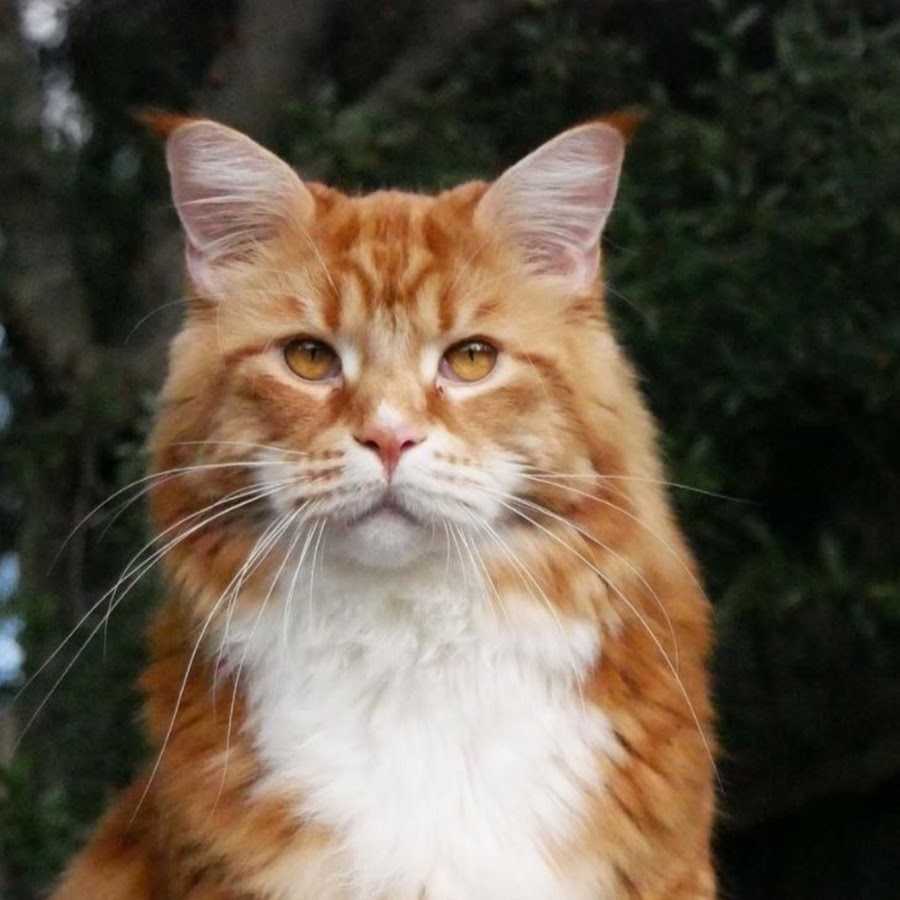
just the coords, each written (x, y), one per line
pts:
(76, 710)
(760, 249)
(514, 89)
(36, 833)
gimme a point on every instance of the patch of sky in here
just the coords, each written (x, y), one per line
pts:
(11, 655)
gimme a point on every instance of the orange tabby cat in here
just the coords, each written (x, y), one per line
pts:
(431, 631)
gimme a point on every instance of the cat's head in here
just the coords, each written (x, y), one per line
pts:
(392, 372)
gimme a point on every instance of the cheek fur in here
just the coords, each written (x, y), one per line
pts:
(529, 418)
(284, 411)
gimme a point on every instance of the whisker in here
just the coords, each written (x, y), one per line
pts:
(312, 564)
(134, 571)
(147, 483)
(246, 495)
(248, 445)
(465, 559)
(286, 522)
(637, 519)
(171, 474)
(181, 301)
(447, 540)
(538, 508)
(293, 585)
(480, 571)
(180, 697)
(635, 612)
(528, 577)
(546, 473)
(455, 534)
(105, 596)
(266, 541)
(224, 597)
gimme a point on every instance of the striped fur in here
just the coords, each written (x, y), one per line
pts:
(478, 673)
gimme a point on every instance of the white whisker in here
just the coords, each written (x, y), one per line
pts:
(266, 541)
(629, 565)
(146, 484)
(134, 570)
(244, 445)
(316, 524)
(284, 525)
(634, 518)
(258, 553)
(640, 478)
(528, 578)
(620, 594)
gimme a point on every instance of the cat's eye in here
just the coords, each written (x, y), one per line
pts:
(312, 360)
(468, 361)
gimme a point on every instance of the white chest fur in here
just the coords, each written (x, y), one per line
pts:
(444, 741)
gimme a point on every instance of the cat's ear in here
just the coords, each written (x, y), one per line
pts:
(231, 195)
(554, 203)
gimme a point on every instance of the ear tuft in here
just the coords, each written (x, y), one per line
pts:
(231, 195)
(626, 121)
(554, 204)
(160, 122)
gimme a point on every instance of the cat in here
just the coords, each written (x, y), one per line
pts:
(431, 630)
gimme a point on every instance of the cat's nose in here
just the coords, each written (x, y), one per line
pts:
(389, 441)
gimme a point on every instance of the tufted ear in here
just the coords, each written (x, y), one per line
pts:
(554, 203)
(231, 195)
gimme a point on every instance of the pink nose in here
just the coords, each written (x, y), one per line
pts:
(389, 442)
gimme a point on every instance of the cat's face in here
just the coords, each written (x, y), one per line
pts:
(392, 374)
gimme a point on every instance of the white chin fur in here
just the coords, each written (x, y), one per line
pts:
(384, 540)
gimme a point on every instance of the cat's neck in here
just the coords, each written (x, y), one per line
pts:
(411, 710)
(418, 615)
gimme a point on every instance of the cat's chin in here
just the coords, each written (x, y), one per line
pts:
(384, 538)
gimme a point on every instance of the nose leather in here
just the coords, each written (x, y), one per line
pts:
(389, 442)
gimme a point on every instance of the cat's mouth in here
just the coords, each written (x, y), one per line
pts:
(385, 529)
(387, 508)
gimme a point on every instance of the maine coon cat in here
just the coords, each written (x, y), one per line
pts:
(431, 632)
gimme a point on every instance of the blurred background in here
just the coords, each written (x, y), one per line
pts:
(753, 273)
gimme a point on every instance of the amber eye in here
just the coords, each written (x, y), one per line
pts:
(312, 360)
(469, 360)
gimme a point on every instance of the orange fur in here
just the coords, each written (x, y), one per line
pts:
(202, 822)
